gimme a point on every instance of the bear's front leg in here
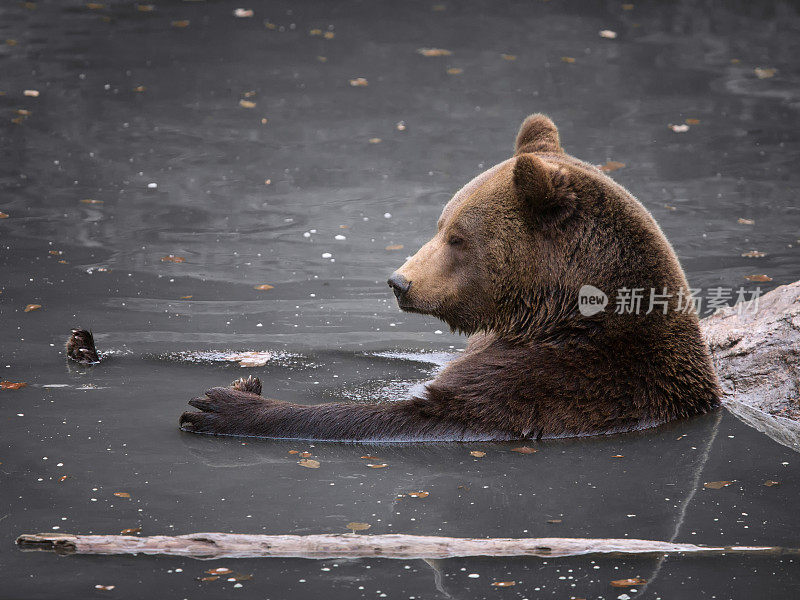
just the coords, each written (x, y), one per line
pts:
(240, 411)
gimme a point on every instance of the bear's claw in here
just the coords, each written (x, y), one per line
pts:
(224, 410)
(250, 384)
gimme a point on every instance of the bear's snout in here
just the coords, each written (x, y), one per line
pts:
(399, 284)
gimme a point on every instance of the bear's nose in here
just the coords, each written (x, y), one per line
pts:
(399, 284)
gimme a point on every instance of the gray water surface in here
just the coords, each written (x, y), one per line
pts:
(127, 99)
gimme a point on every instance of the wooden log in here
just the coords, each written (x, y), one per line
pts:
(351, 545)
(756, 350)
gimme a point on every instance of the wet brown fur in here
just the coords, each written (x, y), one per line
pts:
(513, 248)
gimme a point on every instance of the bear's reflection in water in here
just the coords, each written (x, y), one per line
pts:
(635, 485)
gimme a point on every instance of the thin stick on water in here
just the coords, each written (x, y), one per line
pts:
(351, 545)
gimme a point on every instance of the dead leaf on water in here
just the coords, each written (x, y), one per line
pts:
(394, 247)
(122, 494)
(294, 451)
(745, 221)
(131, 531)
(12, 385)
(247, 103)
(753, 254)
(679, 128)
(315, 32)
(455, 71)
(94, 5)
(359, 82)
(434, 52)
(145, 7)
(716, 485)
(219, 571)
(210, 578)
(91, 201)
(618, 456)
(567, 59)
(305, 454)
(4, 215)
(611, 165)
(504, 583)
(243, 13)
(328, 35)
(608, 34)
(105, 588)
(419, 494)
(31, 307)
(509, 57)
(139, 89)
(356, 526)
(368, 457)
(186, 297)
(377, 465)
(692, 121)
(758, 278)
(180, 24)
(628, 582)
(375, 140)
(554, 521)
(172, 258)
(763, 73)
(31, 93)
(477, 453)
(524, 450)
(309, 463)
(263, 287)
(771, 483)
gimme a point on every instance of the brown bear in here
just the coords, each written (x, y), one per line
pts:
(514, 255)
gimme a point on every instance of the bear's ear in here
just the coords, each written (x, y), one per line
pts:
(537, 134)
(543, 190)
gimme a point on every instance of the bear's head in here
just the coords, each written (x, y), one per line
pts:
(515, 245)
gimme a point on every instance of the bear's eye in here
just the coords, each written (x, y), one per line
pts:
(455, 241)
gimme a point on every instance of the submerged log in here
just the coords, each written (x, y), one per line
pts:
(351, 545)
(756, 351)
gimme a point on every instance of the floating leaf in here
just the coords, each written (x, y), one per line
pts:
(315, 32)
(243, 13)
(294, 451)
(628, 582)
(305, 454)
(454, 71)
(716, 485)
(377, 465)
(12, 385)
(173, 259)
(180, 24)
(263, 287)
(679, 128)
(434, 52)
(368, 457)
(4, 215)
(419, 494)
(394, 247)
(611, 165)
(771, 483)
(692, 121)
(375, 140)
(763, 73)
(31, 93)
(554, 520)
(31, 307)
(524, 450)
(219, 571)
(145, 7)
(509, 57)
(91, 201)
(247, 103)
(210, 578)
(94, 5)
(62, 478)
(131, 531)
(122, 494)
(186, 297)
(608, 34)
(504, 583)
(567, 59)
(309, 463)
(356, 526)
(328, 35)
(758, 278)
(753, 254)
(359, 82)
(477, 453)
(618, 456)
(627, 7)
(105, 588)
(745, 221)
